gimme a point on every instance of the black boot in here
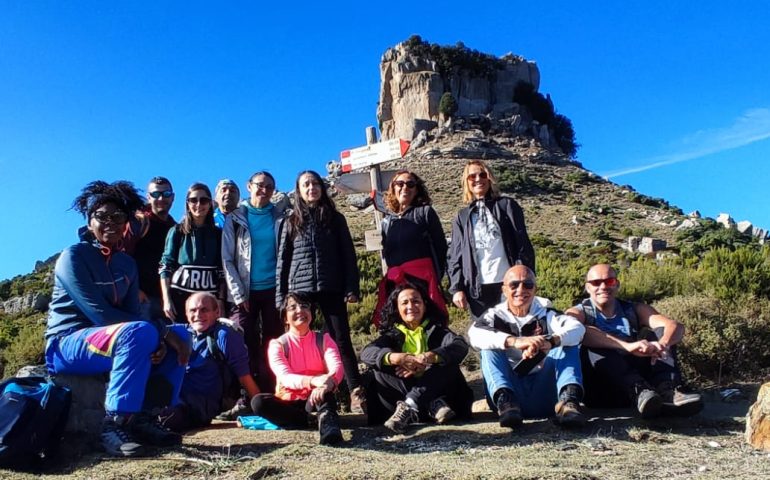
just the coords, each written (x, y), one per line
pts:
(507, 408)
(569, 413)
(648, 403)
(329, 432)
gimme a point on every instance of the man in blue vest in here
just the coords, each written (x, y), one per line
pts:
(622, 364)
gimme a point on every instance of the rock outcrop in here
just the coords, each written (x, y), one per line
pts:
(413, 81)
(30, 301)
(758, 420)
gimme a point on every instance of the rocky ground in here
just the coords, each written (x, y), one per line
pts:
(614, 445)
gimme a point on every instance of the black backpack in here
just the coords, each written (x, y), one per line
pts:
(629, 312)
(33, 413)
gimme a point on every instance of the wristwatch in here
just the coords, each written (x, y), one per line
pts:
(551, 340)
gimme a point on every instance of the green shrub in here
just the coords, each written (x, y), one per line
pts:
(25, 349)
(447, 106)
(722, 341)
(360, 314)
(647, 280)
(564, 133)
(730, 274)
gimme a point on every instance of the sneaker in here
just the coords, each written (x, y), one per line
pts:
(239, 409)
(678, 402)
(358, 400)
(401, 418)
(507, 409)
(648, 403)
(149, 429)
(329, 432)
(569, 414)
(116, 439)
(440, 411)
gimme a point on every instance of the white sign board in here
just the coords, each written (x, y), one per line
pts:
(373, 154)
(373, 239)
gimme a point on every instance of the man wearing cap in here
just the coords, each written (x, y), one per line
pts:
(227, 196)
(622, 364)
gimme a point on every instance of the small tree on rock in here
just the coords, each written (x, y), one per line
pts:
(447, 106)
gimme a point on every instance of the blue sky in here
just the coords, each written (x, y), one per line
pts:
(671, 98)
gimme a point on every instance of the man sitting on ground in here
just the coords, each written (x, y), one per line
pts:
(218, 357)
(525, 327)
(620, 365)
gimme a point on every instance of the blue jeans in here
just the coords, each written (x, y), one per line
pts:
(536, 393)
(123, 350)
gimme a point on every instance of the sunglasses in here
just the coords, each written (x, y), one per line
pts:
(117, 216)
(266, 186)
(478, 176)
(528, 284)
(197, 200)
(165, 194)
(408, 184)
(610, 282)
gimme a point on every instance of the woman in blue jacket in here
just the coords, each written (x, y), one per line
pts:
(192, 259)
(94, 324)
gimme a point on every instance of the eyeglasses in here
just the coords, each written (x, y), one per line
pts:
(478, 176)
(528, 284)
(610, 282)
(408, 184)
(266, 186)
(165, 194)
(295, 307)
(197, 200)
(118, 216)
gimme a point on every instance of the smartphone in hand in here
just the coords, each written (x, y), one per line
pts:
(525, 365)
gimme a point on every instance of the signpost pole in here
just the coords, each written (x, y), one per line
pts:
(374, 177)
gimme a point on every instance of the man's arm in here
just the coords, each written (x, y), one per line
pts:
(595, 338)
(673, 331)
(248, 383)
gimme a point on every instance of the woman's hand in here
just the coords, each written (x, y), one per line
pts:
(317, 395)
(168, 309)
(157, 356)
(460, 300)
(427, 358)
(351, 298)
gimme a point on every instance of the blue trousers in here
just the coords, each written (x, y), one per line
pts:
(536, 393)
(123, 350)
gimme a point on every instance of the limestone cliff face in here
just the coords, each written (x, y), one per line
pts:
(412, 84)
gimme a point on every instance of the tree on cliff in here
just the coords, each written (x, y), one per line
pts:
(447, 106)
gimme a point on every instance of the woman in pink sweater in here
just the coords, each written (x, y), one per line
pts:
(307, 369)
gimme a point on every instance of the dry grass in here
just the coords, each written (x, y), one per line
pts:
(611, 447)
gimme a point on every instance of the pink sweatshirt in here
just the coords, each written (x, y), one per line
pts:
(304, 362)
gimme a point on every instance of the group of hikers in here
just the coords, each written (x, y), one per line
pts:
(184, 316)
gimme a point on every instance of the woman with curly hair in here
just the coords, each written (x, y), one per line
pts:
(416, 365)
(413, 243)
(488, 237)
(316, 257)
(192, 258)
(94, 325)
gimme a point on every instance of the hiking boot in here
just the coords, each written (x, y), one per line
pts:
(507, 409)
(440, 411)
(329, 432)
(677, 402)
(569, 414)
(358, 400)
(402, 418)
(240, 409)
(148, 429)
(116, 439)
(648, 403)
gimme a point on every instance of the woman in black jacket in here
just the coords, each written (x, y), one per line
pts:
(488, 237)
(416, 364)
(316, 257)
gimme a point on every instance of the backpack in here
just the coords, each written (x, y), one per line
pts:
(231, 388)
(629, 312)
(33, 413)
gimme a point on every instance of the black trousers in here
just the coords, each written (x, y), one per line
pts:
(491, 294)
(611, 377)
(260, 324)
(288, 414)
(335, 313)
(384, 389)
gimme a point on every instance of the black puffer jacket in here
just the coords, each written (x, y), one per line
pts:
(450, 347)
(318, 259)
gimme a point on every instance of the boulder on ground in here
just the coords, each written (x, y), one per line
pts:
(758, 420)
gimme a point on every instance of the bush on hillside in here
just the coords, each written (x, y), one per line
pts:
(26, 348)
(447, 106)
(731, 274)
(647, 280)
(564, 133)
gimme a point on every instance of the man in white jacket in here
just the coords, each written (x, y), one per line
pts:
(524, 328)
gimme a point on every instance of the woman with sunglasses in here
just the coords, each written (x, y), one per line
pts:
(488, 237)
(307, 368)
(413, 241)
(316, 257)
(95, 325)
(192, 260)
(415, 364)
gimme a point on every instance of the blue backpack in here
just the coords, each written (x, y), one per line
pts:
(33, 413)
